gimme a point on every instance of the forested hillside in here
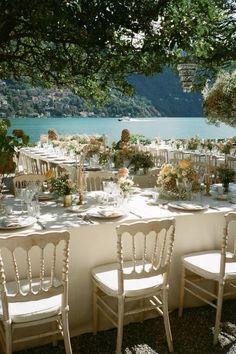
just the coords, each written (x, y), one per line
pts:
(165, 93)
(158, 95)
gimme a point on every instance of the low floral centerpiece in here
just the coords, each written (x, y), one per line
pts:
(225, 175)
(141, 159)
(62, 186)
(178, 181)
(225, 146)
(125, 183)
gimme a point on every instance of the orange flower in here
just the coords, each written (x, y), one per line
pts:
(184, 164)
(49, 174)
(123, 172)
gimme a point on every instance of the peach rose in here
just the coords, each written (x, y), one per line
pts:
(123, 172)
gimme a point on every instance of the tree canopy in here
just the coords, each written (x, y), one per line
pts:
(92, 45)
(220, 99)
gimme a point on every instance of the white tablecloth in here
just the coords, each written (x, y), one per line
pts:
(94, 244)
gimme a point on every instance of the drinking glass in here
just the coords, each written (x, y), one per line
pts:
(20, 194)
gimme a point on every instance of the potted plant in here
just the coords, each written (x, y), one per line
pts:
(9, 145)
(62, 186)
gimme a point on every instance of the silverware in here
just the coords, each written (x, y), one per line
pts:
(40, 224)
(214, 208)
(138, 215)
(85, 218)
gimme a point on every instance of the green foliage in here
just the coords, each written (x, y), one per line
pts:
(62, 185)
(91, 46)
(220, 99)
(21, 99)
(10, 143)
(134, 138)
(141, 160)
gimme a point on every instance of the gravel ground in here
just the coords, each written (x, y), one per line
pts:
(192, 334)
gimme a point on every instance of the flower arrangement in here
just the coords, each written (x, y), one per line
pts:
(125, 184)
(141, 159)
(193, 143)
(178, 181)
(123, 172)
(225, 146)
(104, 156)
(208, 144)
(61, 185)
(225, 175)
(123, 155)
(9, 145)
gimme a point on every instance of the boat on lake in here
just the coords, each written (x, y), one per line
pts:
(124, 119)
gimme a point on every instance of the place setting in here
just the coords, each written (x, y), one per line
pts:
(14, 222)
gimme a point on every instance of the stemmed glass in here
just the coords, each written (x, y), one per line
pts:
(188, 187)
(20, 194)
(28, 197)
(108, 187)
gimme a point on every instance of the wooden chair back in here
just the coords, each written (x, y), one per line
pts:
(21, 181)
(149, 246)
(36, 265)
(94, 179)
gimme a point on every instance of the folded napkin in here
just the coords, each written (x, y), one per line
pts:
(108, 213)
(10, 222)
(190, 206)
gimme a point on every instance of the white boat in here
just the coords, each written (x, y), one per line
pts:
(124, 119)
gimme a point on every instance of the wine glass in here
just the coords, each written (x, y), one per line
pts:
(20, 194)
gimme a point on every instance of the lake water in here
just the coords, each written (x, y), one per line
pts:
(164, 128)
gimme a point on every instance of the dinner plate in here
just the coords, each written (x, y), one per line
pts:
(135, 190)
(77, 208)
(16, 223)
(69, 161)
(105, 213)
(188, 206)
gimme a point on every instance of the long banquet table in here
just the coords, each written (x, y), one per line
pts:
(95, 243)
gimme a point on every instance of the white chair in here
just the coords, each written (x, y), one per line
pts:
(216, 266)
(34, 287)
(141, 275)
(94, 179)
(21, 181)
(147, 181)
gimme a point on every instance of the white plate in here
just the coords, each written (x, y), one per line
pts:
(105, 213)
(188, 206)
(135, 190)
(17, 223)
(77, 209)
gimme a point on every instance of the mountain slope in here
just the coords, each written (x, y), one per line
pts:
(166, 94)
(157, 95)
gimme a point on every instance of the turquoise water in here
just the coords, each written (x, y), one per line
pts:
(165, 128)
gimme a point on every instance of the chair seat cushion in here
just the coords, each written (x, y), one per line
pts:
(106, 277)
(27, 311)
(207, 264)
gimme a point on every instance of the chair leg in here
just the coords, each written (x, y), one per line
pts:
(66, 332)
(54, 337)
(218, 312)
(181, 295)
(121, 301)
(8, 337)
(95, 311)
(167, 321)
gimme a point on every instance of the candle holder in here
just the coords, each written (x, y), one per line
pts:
(80, 180)
(209, 176)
